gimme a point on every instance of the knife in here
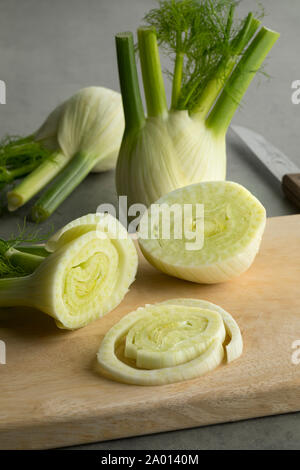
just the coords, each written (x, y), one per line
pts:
(287, 172)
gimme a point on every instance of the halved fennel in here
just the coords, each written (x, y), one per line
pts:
(168, 342)
(231, 226)
(93, 262)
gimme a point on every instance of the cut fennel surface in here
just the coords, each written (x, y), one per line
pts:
(92, 263)
(176, 340)
(232, 225)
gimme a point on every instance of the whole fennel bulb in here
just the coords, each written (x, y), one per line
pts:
(92, 123)
(214, 63)
(84, 134)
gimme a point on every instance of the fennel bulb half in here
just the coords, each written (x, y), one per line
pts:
(176, 340)
(215, 60)
(84, 134)
(230, 229)
(93, 262)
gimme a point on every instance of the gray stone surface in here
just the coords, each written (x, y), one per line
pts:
(49, 49)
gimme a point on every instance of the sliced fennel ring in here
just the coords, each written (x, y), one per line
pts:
(93, 262)
(230, 226)
(176, 340)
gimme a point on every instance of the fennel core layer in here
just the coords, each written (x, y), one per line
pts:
(214, 64)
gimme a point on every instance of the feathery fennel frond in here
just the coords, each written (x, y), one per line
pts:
(23, 241)
(198, 36)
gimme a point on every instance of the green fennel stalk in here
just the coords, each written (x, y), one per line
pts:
(36, 180)
(238, 83)
(74, 173)
(132, 102)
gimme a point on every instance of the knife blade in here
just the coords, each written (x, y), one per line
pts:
(287, 172)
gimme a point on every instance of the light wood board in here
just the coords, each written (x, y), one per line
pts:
(51, 395)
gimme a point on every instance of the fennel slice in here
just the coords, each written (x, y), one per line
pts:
(168, 342)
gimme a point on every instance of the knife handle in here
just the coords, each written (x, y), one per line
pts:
(291, 187)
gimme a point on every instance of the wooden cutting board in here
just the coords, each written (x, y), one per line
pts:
(51, 394)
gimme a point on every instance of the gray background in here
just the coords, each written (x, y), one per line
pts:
(50, 49)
